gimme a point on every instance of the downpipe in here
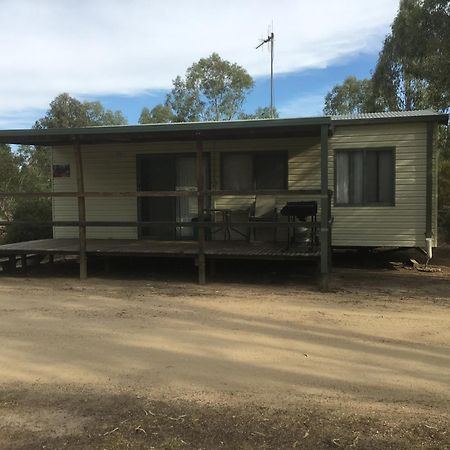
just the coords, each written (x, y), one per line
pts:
(428, 249)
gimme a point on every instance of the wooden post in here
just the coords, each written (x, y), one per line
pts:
(81, 210)
(429, 183)
(23, 263)
(12, 263)
(200, 208)
(330, 240)
(324, 211)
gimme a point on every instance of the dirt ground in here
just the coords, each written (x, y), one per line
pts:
(152, 360)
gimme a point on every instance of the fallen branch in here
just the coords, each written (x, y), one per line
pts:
(109, 432)
(178, 418)
(139, 428)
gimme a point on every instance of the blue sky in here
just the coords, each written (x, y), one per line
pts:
(297, 94)
(126, 53)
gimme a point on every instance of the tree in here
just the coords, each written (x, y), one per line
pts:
(64, 112)
(394, 83)
(412, 72)
(9, 178)
(351, 97)
(414, 64)
(34, 163)
(261, 113)
(413, 67)
(159, 114)
(28, 168)
(30, 210)
(68, 112)
(212, 89)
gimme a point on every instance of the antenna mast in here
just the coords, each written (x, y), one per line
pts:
(270, 40)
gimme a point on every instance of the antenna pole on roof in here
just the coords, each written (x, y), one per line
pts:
(270, 40)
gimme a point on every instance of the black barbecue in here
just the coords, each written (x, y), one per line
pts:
(300, 211)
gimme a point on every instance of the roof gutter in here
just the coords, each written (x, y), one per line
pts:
(441, 119)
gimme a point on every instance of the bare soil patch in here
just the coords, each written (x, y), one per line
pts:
(269, 362)
(124, 421)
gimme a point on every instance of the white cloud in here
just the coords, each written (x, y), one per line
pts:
(102, 47)
(308, 105)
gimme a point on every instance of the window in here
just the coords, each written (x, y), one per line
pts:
(259, 171)
(365, 177)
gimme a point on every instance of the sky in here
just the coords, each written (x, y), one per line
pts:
(126, 53)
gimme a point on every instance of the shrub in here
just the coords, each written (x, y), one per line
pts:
(444, 223)
(30, 210)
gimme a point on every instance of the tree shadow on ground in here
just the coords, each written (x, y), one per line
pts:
(88, 419)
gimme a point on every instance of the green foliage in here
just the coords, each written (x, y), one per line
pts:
(10, 179)
(261, 113)
(184, 102)
(412, 72)
(9, 168)
(159, 114)
(29, 167)
(212, 89)
(68, 112)
(414, 65)
(444, 183)
(32, 210)
(351, 97)
(444, 223)
(394, 85)
(34, 167)
(217, 86)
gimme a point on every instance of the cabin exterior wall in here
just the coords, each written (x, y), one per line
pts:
(112, 168)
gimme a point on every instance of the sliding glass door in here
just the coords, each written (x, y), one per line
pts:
(168, 173)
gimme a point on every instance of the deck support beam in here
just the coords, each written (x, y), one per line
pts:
(325, 212)
(81, 210)
(429, 183)
(200, 211)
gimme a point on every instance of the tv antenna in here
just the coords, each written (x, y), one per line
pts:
(270, 40)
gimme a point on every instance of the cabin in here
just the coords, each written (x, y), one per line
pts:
(256, 189)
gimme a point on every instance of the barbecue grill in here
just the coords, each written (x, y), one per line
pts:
(301, 211)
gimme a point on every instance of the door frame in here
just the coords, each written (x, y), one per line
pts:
(141, 156)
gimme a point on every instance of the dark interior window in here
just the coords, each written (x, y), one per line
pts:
(247, 171)
(270, 171)
(365, 177)
(237, 171)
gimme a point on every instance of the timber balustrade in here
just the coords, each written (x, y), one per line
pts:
(201, 224)
(191, 193)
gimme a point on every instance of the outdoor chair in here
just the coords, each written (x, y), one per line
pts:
(263, 209)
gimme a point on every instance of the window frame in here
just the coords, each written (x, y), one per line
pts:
(365, 204)
(253, 154)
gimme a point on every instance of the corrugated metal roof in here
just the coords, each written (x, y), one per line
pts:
(210, 130)
(167, 131)
(393, 115)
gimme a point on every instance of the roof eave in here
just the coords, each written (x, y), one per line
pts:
(161, 132)
(435, 118)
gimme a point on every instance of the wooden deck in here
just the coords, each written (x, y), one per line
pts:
(177, 249)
